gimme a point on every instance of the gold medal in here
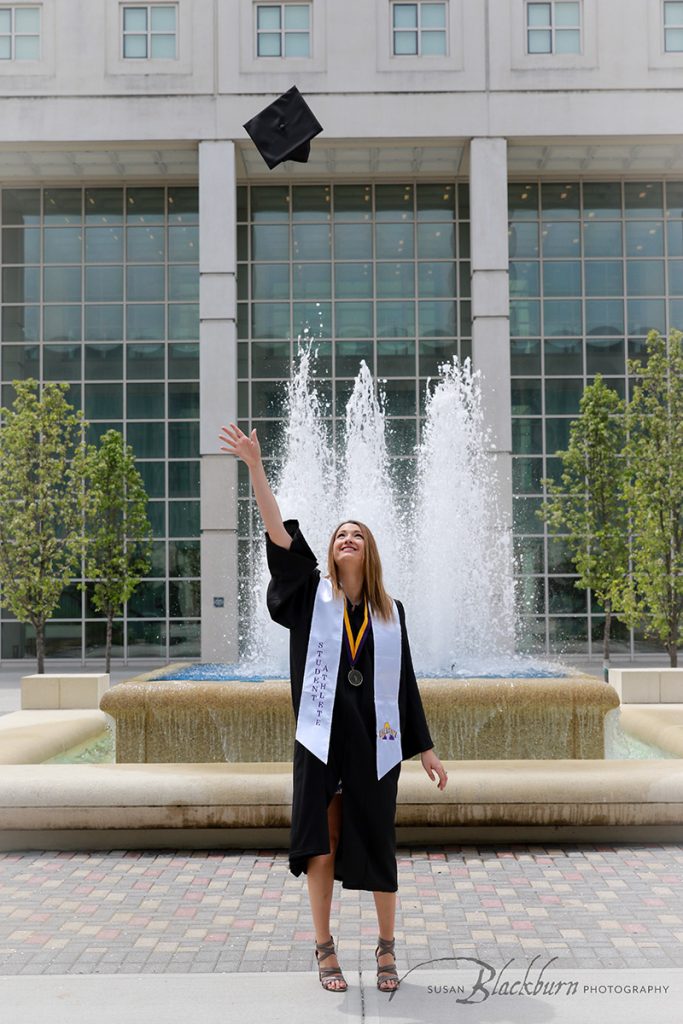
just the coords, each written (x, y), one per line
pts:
(355, 677)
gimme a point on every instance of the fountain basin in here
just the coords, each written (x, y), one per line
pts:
(163, 721)
(249, 805)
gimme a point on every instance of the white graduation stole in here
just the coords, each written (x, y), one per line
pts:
(320, 680)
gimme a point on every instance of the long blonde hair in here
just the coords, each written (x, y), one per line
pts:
(373, 585)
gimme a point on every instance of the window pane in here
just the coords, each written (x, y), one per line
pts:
(437, 319)
(311, 242)
(269, 44)
(62, 206)
(135, 46)
(268, 16)
(145, 401)
(353, 241)
(523, 239)
(21, 323)
(538, 14)
(183, 401)
(395, 241)
(103, 401)
(5, 48)
(539, 41)
(183, 243)
(62, 284)
(145, 322)
(183, 321)
(183, 282)
(436, 279)
(104, 284)
(434, 44)
(560, 239)
(645, 277)
(297, 44)
(103, 323)
(601, 199)
(602, 239)
(145, 283)
(353, 280)
(62, 245)
(353, 320)
(567, 15)
(145, 205)
(433, 15)
(645, 315)
(270, 320)
(183, 479)
(103, 245)
(674, 40)
(526, 398)
(395, 280)
(605, 355)
(405, 15)
(135, 19)
(312, 317)
(644, 238)
(525, 356)
(145, 362)
(270, 281)
(561, 317)
(311, 280)
(297, 16)
(163, 47)
(405, 43)
(183, 361)
(673, 13)
(525, 318)
(163, 18)
(603, 277)
(5, 20)
(20, 362)
(568, 41)
(27, 48)
(103, 362)
(146, 439)
(352, 202)
(561, 278)
(270, 242)
(604, 316)
(643, 199)
(563, 356)
(20, 206)
(62, 362)
(145, 245)
(27, 19)
(62, 323)
(395, 319)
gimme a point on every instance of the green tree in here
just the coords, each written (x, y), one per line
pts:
(654, 491)
(117, 530)
(42, 452)
(588, 505)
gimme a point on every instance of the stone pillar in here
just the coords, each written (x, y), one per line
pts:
(490, 299)
(218, 397)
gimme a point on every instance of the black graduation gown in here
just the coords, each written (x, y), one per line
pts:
(366, 853)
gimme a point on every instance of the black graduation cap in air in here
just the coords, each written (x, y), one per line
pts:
(283, 130)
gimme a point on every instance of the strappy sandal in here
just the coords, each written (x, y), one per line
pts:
(387, 974)
(327, 974)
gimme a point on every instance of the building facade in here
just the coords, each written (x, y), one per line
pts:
(496, 178)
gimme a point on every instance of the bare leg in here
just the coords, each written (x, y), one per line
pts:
(385, 904)
(320, 878)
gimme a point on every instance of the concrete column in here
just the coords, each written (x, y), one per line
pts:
(218, 397)
(490, 299)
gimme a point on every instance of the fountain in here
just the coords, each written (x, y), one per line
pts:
(445, 551)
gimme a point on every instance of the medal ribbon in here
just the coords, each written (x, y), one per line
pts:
(354, 644)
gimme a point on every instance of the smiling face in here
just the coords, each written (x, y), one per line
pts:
(349, 545)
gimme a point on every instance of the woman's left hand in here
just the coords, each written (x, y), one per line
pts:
(431, 764)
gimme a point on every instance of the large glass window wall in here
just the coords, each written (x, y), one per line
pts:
(99, 288)
(376, 272)
(594, 265)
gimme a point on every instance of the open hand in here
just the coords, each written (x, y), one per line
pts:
(432, 764)
(237, 443)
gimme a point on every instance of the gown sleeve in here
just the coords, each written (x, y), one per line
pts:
(415, 736)
(293, 571)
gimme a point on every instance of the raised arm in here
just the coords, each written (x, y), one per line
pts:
(249, 450)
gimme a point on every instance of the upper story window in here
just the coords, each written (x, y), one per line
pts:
(673, 27)
(19, 33)
(554, 27)
(419, 29)
(283, 30)
(150, 31)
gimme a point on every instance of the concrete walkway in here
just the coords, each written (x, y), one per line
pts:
(470, 994)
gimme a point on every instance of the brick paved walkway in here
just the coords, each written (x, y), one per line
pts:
(590, 905)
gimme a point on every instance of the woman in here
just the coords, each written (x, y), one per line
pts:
(355, 722)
